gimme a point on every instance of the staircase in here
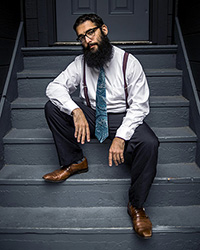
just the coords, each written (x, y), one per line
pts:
(88, 211)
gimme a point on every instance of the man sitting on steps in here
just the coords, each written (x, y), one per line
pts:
(113, 104)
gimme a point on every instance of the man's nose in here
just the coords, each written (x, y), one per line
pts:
(87, 39)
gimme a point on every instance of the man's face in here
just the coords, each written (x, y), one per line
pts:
(93, 40)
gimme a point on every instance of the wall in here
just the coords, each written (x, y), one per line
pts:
(162, 21)
(189, 17)
(9, 23)
(40, 22)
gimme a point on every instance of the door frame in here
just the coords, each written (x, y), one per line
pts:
(161, 13)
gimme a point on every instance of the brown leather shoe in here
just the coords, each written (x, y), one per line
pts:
(63, 173)
(141, 222)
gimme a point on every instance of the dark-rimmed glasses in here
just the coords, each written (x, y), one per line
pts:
(89, 33)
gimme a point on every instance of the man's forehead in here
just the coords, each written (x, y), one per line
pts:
(83, 27)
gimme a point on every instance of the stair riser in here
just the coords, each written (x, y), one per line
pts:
(158, 117)
(165, 86)
(33, 87)
(116, 240)
(104, 194)
(150, 61)
(159, 86)
(45, 153)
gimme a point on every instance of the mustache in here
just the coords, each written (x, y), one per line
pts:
(91, 44)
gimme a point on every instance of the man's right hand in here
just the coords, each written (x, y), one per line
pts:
(82, 130)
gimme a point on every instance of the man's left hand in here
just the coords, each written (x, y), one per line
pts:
(116, 151)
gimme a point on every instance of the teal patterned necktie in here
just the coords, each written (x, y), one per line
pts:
(101, 128)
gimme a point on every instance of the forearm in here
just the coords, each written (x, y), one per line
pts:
(130, 122)
(60, 89)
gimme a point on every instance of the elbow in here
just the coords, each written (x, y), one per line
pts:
(48, 90)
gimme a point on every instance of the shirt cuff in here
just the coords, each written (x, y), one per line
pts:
(124, 133)
(68, 107)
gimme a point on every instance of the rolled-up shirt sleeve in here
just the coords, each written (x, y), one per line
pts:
(138, 99)
(60, 89)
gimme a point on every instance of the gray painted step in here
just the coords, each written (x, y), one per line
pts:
(23, 186)
(76, 50)
(110, 228)
(168, 111)
(149, 61)
(33, 83)
(58, 58)
(95, 219)
(39, 215)
(35, 146)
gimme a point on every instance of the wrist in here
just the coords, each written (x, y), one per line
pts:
(119, 139)
(74, 111)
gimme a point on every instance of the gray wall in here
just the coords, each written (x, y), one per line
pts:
(189, 17)
(9, 22)
(39, 18)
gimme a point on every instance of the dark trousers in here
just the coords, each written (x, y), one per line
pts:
(142, 148)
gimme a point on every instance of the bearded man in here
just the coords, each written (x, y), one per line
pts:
(113, 103)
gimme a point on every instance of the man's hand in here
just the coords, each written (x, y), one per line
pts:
(82, 130)
(116, 151)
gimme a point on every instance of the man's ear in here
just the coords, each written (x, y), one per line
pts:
(104, 28)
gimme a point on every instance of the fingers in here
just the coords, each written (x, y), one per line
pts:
(110, 159)
(117, 158)
(88, 133)
(76, 131)
(82, 132)
(116, 152)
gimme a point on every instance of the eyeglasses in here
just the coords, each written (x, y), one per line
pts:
(89, 33)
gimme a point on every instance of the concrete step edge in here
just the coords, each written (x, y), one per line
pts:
(53, 73)
(155, 101)
(178, 134)
(95, 220)
(65, 50)
(166, 174)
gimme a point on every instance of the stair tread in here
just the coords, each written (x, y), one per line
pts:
(155, 101)
(95, 219)
(99, 173)
(48, 73)
(44, 135)
(142, 48)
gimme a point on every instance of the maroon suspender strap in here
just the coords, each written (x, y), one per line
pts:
(124, 73)
(85, 87)
(125, 84)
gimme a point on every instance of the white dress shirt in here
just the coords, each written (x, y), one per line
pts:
(60, 89)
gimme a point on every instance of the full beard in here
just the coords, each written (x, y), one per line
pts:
(103, 54)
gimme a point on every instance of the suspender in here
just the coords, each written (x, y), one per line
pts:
(124, 73)
(85, 87)
(125, 59)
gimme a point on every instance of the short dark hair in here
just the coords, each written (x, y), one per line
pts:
(88, 17)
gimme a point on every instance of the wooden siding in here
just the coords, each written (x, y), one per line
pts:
(39, 22)
(162, 21)
(9, 22)
(188, 13)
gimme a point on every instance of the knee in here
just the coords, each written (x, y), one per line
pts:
(49, 109)
(151, 143)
